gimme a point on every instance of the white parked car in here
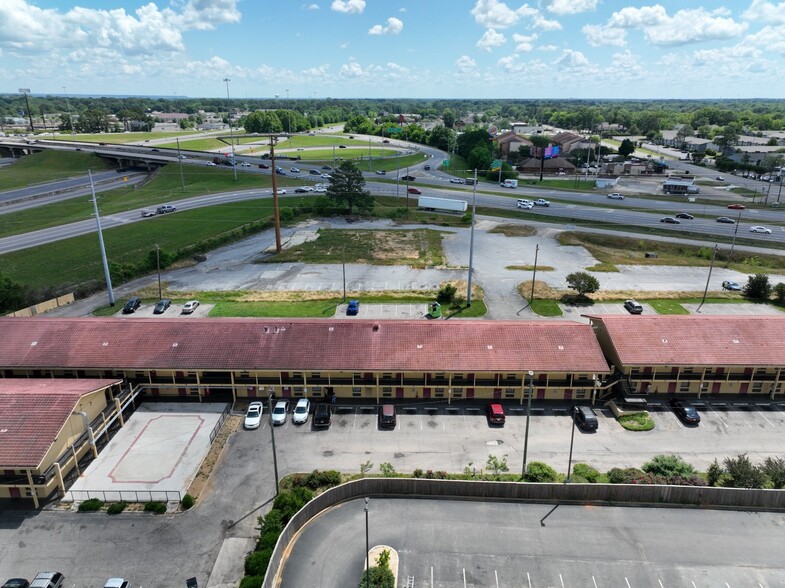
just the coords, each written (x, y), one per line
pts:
(542, 202)
(117, 583)
(279, 412)
(190, 306)
(211, 164)
(301, 411)
(253, 418)
(763, 230)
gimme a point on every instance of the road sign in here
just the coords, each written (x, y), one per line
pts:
(445, 162)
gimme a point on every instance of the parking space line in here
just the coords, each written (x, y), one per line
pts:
(693, 585)
(528, 577)
(767, 420)
(716, 414)
(660, 582)
(628, 582)
(354, 423)
(421, 422)
(595, 581)
(561, 580)
(496, 574)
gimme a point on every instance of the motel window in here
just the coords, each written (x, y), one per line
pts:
(357, 391)
(686, 371)
(386, 390)
(457, 392)
(761, 371)
(317, 389)
(757, 387)
(684, 387)
(509, 392)
(316, 375)
(439, 375)
(439, 393)
(298, 390)
(458, 376)
(357, 375)
(581, 394)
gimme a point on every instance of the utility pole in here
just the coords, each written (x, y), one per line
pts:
(70, 116)
(708, 279)
(275, 197)
(534, 273)
(26, 92)
(158, 267)
(107, 277)
(180, 161)
(733, 243)
(471, 241)
(231, 132)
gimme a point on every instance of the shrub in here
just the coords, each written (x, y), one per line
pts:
(639, 421)
(91, 505)
(271, 522)
(251, 582)
(774, 468)
(624, 476)
(417, 473)
(714, 473)
(537, 471)
(289, 502)
(155, 507)
(446, 293)
(116, 507)
(379, 578)
(779, 292)
(268, 540)
(256, 563)
(387, 470)
(742, 473)
(586, 472)
(757, 287)
(497, 465)
(668, 466)
(316, 479)
(187, 501)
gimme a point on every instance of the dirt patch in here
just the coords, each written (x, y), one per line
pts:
(396, 245)
(514, 230)
(543, 291)
(230, 426)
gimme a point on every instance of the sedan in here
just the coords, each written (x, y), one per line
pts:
(190, 306)
(685, 216)
(279, 412)
(456, 181)
(295, 170)
(320, 190)
(148, 213)
(301, 191)
(685, 411)
(670, 220)
(542, 202)
(763, 230)
(341, 146)
(253, 418)
(264, 166)
(736, 206)
(326, 176)
(353, 308)
(162, 305)
(210, 164)
(414, 191)
(245, 164)
(408, 178)
(16, 583)
(616, 196)
(301, 411)
(720, 178)
(726, 220)
(381, 172)
(728, 285)
(326, 167)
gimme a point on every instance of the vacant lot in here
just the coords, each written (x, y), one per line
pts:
(48, 166)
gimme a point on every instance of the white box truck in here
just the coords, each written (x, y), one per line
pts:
(510, 184)
(430, 203)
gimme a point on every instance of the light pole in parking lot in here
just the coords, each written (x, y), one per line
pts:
(471, 242)
(367, 549)
(528, 414)
(572, 440)
(231, 132)
(158, 266)
(272, 435)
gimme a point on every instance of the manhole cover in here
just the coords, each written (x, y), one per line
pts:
(327, 453)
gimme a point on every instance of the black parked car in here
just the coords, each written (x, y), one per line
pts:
(162, 305)
(132, 305)
(322, 415)
(685, 411)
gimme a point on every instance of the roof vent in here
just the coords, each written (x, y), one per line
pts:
(375, 327)
(664, 340)
(105, 343)
(560, 347)
(175, 344)
(266, 330)
(419, 346)
(34, 343)
(490, 346)
(330, 328)
(735, 341)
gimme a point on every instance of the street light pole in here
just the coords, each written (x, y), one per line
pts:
(158, 266)
(572, 440)
(528, 413)
(231, 132)
(289, 114)
(534, 273)
(471, 242)
(708, 279)
(105, 262)
(367, 550)
(70, 116)
(26, 92)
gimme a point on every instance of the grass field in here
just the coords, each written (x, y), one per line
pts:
(208, 144)
(121, 138)
(48, 166)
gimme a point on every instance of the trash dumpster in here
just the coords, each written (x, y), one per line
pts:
(435, 310)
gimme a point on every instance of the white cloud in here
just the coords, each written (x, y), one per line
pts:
(524, 43)
(490, 40)
(397, 68)
(348, 6)
(313, 7)
(543, 24)
(562, 7)
(494, 14)
(570, 59)
(597, 35)
(352, 70)
(765, 11)
(466, 63)
(769, 39)
(393, 27)
(547, 48)
(204, 15)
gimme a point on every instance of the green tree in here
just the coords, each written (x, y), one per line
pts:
(497, 465)
(262, 122)
(583, 283)
(774, 468)
(779, 292)
(480, 158)
(742, 473)
(378, 577)
(757, 287)
(12, 295)
(448, 116)
(626, 148)
(347, 187)
(714, 473)
(668, 466)
(537, 471)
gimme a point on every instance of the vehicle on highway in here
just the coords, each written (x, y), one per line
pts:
(281, 173)
(301, 411)
(542, 202)
(527, 204)
(685, 411)
(16, 583)
(279, 412)
(616, 196)
(314, 172)
(302, 190)
(190, 306)
(408, 178)
(726, 220)
(48, 580)
(633, 306)
(732, 286)
(322, 415)
(736, 206)
(341, 146)
(413, 191)
(282, 190)
(353, 308)
(117, 583)
(760, 229)
(685, 216)
(495, 414)
(720, 178)
(295, 170)
(210, 164)
(326, 176)
(320, 189)
(264, 166)
(456, 181)
(253, 416)
(245, 164)
(585, 417)
(162, 305)
(164, 209)
(385, 141)
(327, 167)
(427, 168)
(670, 220)
(147, 213)
(381, 172)
(387, 415)
(132, 305)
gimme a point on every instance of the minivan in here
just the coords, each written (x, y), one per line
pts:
(585, 417)
(495, 414)
(387, 415)
(48, 580)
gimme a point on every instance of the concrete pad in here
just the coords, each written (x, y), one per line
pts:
(158, 451)
(740, 309)
(230, 559)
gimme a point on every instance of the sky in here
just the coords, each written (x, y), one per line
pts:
(395, 48)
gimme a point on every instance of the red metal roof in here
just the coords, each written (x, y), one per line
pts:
(32, 413)
(696, 340)
(299, 344)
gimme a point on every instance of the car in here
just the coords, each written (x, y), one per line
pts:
(245, 164)
(408, 178)
(156, 150)
(322, 415)
(16, 583)
(427, 168)
(720, 179)
(633, 306)
(670, 220)
(147, 213)
(301, 411)
(413, 191)
(162, 305)
(210, 164)
(527, 204)
(164, 209)
(387, 415)
(495, 413)
(48, 580)
(190, 306)
(341, 146)
(279, 412)
(320, 190)
(542, 202)
(301, 191)
(616, 196)
(585, 417)
(327, 167)
(726, 220)
(385, 140)
(456, 181)
(326, 176)
(685, 411)
(685, 216)
(736, 206)
(353, 308)
(182, 157)
(730, 285)
(381, 172)
(264, 166)
(759, 229)
(281, 191)
(314, 172)
(295, 170)
(132, 305)
(117, 583)
(281, 173)
(253, 416)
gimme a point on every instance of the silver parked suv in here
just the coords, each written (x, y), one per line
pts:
(48, 580)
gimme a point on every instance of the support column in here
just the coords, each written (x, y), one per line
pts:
(32, 489)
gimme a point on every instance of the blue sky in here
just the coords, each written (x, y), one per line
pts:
(395, 49)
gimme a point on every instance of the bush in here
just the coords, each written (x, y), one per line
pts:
(116, 507)
(757, 287)
(537, 471)
(714, 473)
(668, 466)
(586, 472)
(624, 476)
(379, 578)
(742, 473)
(251, 582)
(91, 505)
(316, 479)
(155, 507)
(256, 563)
(639, 421)
(774, 468)
(417, 473)
(289, 502)
(446, 293)
(187, 501)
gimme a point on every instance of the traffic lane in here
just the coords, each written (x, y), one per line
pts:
(459, 543)
(55, 186)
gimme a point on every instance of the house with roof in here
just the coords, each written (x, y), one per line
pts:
(509, 143)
